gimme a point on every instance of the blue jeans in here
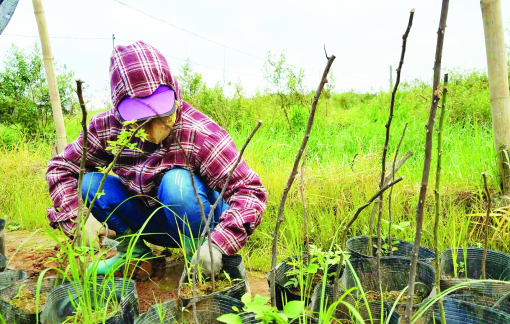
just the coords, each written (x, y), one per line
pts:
(180, 212)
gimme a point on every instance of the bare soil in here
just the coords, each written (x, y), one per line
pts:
(97, 316)
(26, 300)
(156, 281)
(205, 288)
(392, 296)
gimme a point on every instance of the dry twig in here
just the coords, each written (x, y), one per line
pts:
(293, 175)
(346, 229)
(307, 240)
(390, 243)
(438, 201)
(486, 228)
(207, 221)
(387, 139)
(428, 158)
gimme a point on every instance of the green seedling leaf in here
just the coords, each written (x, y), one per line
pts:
(404, 224)
(100, 194)
(294, 308)
(313, 267)
(259, 300)
(235, 308)
(246, 298)
(230, 319)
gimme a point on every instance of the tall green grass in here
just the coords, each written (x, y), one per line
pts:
(342, 169)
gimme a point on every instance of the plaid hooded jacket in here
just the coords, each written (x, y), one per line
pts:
(137, 71)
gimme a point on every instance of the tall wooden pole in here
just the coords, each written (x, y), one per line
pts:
(498, 85)
(50, 76)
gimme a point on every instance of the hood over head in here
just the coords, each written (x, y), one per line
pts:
(138, 70)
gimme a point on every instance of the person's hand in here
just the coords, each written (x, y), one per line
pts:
(91, 232)
(208, 265)
(93, 229)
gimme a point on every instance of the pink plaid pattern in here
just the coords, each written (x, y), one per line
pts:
(210, 148)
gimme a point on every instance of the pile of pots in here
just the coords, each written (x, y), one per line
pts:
(478, 302)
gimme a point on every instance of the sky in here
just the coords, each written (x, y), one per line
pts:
(236, 37)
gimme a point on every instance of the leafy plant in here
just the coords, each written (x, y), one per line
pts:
(266, 313)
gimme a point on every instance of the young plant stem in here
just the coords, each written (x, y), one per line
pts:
(307, 240)
(111, 165)
(428, 159)
(227, 181)
(79, 237)
(376, 203)
(486, 227)
(279, 219)
(83, 160)
(387, 139)
(390, 243)
(437, 197)
(346, 229)
(202, 213)
(106, 172)
(207, 221)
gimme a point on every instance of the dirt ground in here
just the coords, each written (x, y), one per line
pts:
(156, 281)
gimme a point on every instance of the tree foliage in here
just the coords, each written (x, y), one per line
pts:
(24, 96)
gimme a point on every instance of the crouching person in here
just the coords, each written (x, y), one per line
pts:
(151, 191)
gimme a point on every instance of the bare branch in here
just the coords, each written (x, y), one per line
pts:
(307, 239)
(428, 158)
(279, 219)
(387, 139)
(390, 243)
(78, 234)
(438, 201)
(353, 219)
(486, 229)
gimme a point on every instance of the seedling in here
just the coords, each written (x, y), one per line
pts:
(159, 309)
(266, 313)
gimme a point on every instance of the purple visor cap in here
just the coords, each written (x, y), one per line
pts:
(161, 103)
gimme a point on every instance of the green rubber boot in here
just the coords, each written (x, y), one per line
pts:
(140, 249)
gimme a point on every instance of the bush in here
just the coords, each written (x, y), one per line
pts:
(24, 96)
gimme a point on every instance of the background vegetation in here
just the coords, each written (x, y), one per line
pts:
(344, 150)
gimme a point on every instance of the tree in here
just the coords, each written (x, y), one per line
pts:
(24, 96)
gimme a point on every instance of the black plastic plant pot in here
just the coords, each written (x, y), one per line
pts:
(209, 309)
(3, 262)
(342, 312)
(17, 303)
(286, 294)
(8, 278)
(463, 312)
(59, 305)
(497, 267)
(234, 266)
(358, 247)
(394, 277)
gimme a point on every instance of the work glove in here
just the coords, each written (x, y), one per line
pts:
(205, 262)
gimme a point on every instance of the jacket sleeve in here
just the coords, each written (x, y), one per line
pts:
(245, 193)
(62, 178)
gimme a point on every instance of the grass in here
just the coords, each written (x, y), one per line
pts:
(341, 171)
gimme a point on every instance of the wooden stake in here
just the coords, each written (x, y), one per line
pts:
(498, 86)
(436, 92)
(50, 76)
